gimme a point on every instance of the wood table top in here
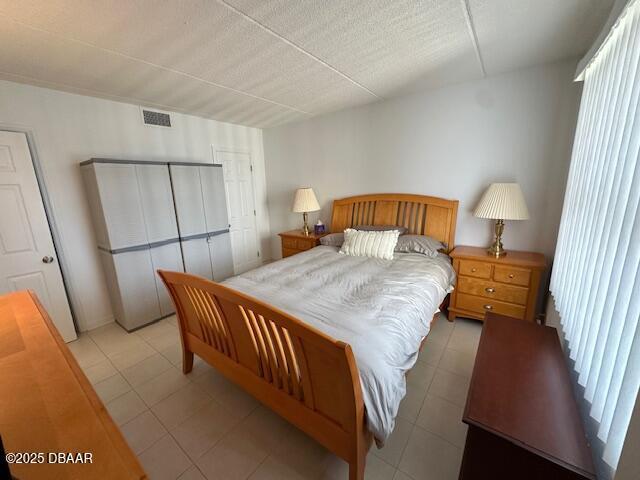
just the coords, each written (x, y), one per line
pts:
(521, 391)
(48, 405)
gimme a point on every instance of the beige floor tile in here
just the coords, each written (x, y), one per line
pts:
(86, 352)
(146, 369)
(100, 371)
(179, 406)
(420, 376)
(165, 340)
(440, 331)
(164, 460)
(143, 431)
(442, 326)
(464, 341)
(172, 320)
(276, 469)
(394, 446)
(125, 407)
(173, 353)
(468, 325)
(162, 386)
(375, 469)
(286, 443)
(156, 329)
(130, 356)
(226, 393)
(235, 457)
(204, 428)
(200, 367)
(458, 362)
(411, 403)
(111, 388)
(429, 456)
(443, 418)
(431, 352)
(113, 339)
(192, 474)
(450, 387)
(401, 476)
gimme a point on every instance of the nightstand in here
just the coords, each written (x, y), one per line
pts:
(506, 285)
(294, 241)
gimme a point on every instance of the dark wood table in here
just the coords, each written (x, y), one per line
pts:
(522, 415)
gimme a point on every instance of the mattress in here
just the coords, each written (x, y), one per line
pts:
(382, 308)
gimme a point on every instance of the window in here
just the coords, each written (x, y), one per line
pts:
(596, 280)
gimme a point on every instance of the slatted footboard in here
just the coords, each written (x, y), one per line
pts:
(300, 373)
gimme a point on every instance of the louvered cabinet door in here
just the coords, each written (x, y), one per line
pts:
(121, 206)
(197, 260)
(157, 202)
(215, 204)
(187, 192)
(132, 287)
(166, 257)
(221, 256)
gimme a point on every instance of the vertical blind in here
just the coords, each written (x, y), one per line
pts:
(596, 280)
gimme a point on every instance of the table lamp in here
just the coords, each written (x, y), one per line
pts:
(305, 201)
(501, 201)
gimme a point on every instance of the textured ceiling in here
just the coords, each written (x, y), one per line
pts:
(263, 63)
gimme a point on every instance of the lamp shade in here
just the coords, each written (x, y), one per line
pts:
(502, 201)
(305, 201)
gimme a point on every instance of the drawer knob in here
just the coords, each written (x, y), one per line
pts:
(489, 290)
(473, 270)
(511, 275)
(488, 307)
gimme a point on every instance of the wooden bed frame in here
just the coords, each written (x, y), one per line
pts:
(305, 376)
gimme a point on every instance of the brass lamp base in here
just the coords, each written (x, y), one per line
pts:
(496, 249)
(305, 227)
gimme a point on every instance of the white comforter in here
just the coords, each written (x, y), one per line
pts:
(382, 308)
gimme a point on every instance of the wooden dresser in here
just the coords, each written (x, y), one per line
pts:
(523, 419)
(47, 405)
(507, 285)
(294, 241)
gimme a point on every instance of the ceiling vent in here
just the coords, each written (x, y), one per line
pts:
(159, 119)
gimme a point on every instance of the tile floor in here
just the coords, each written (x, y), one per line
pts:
(200, 426)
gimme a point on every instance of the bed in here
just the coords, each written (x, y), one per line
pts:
(321, 338)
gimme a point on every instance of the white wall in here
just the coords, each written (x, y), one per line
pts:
(451, 142)
(68, 129)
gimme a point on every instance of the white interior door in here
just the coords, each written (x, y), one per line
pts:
(238, 183)
(27, 257)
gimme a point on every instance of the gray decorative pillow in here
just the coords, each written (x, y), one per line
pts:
(333, 239)
(381, 228)
(419, 244)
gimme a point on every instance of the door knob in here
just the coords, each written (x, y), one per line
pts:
(47, 259)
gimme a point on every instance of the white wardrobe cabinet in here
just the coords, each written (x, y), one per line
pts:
(187, 194)
(115, 204)
(156, 215)
(221, 256)
(166, 257)
(197, 259)
(132, 288)
(215, 203)
(156, 196)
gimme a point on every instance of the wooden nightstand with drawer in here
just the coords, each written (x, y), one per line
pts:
(507, 285)
(294, 241)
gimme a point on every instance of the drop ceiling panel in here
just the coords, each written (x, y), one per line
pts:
(201, 38)
(36, 55)
(514, 34)
(384, 45)
(265, 62)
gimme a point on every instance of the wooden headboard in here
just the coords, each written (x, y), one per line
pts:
(421, 214)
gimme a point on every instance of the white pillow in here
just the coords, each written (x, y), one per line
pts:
(360, 243)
